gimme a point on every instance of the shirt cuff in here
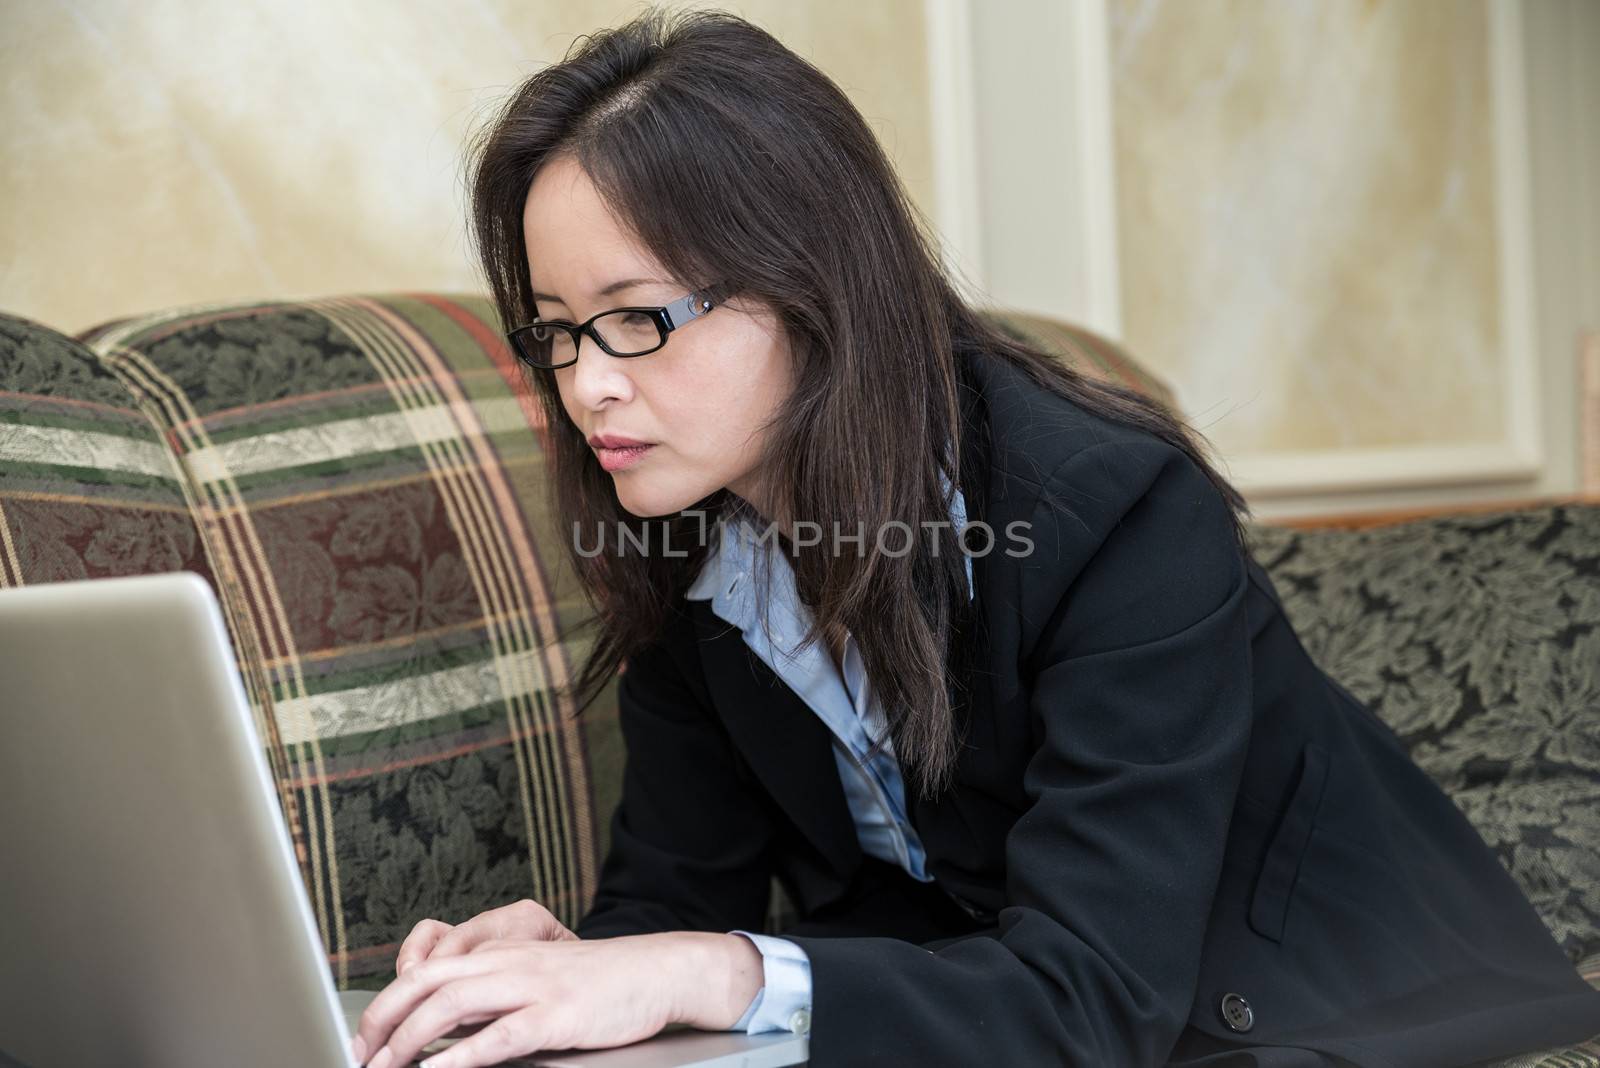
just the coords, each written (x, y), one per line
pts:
(784, 1002)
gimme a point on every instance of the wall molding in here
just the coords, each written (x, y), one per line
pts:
(1293, 481)
(1561, 39)
(995, 226)
(1023, 159)
(957, 190)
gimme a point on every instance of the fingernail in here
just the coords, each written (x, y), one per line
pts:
(358, 1050)
(385, 1055)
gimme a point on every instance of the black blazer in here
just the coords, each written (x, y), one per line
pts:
(1171, 835)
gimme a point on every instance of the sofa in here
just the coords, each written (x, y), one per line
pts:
(362, 480)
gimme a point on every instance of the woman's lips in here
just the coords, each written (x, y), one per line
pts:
(621, 459)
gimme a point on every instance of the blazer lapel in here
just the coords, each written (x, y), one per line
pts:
(787, 745)
(791, 748)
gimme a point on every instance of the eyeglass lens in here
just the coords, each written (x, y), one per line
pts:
(626, 333)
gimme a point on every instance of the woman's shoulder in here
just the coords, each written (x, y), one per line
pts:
(1084, 488)
(1034, 434)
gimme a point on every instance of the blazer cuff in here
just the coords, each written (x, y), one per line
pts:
(784, 1002)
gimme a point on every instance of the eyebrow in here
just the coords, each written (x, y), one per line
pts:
(614, 287)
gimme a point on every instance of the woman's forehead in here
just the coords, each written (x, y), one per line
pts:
(575, 241)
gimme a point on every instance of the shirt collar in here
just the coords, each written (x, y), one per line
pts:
(732, 561)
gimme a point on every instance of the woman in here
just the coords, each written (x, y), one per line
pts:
(1067, 791)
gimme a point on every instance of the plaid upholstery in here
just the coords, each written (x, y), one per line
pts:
(363, 483)
(364, 472)
(88, 488)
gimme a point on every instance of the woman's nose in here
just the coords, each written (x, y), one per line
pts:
(598, 376)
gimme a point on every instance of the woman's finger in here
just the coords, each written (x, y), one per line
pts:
(483, 927)
(475, 999)
(395, 1002)
(512, 1035)
(419, 944)
(525, 919)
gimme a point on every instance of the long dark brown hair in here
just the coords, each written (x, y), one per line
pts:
(732, 158)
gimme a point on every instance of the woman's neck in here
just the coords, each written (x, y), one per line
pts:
(760, 504)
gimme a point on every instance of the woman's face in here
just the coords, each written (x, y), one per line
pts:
(700, 400)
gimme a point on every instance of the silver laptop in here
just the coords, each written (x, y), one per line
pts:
(151, 909)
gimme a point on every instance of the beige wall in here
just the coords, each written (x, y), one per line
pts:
(1307, 218)
(1307, 202)
(165, 153)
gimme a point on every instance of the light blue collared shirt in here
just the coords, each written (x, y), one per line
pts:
(874, 790)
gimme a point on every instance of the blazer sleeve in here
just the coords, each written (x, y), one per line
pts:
(690, 837)
(1136, 648)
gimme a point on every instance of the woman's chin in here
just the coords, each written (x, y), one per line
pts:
(647, 502)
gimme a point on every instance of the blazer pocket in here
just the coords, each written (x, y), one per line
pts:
(1269, 903)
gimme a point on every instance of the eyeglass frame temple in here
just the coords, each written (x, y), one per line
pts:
(679, 312)
(684, 310)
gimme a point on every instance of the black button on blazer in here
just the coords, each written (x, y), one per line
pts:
(1171, 835)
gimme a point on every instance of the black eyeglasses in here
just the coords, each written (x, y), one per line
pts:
(548, 344)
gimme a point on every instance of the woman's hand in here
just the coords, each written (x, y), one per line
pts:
(525, 919)
(560, 993)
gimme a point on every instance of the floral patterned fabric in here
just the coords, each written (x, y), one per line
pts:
(1477, 638)
(87, 487)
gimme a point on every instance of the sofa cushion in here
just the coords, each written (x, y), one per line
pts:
(1477, 638)
(88, 488)
(370, 483)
